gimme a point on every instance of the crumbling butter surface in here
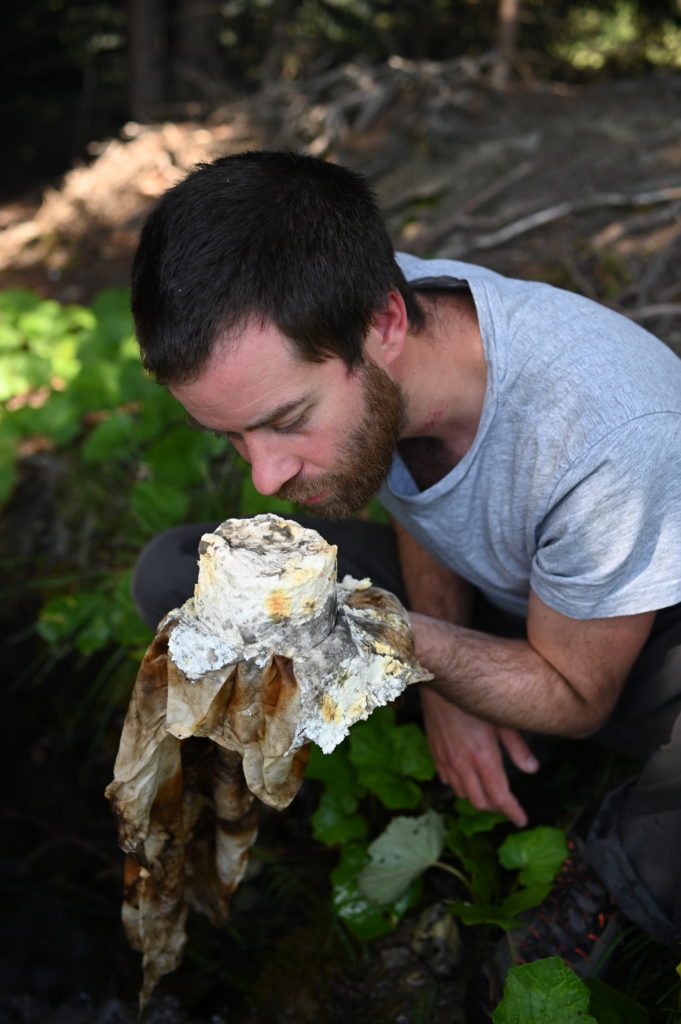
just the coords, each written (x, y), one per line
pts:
(266, 584)
(270, 654)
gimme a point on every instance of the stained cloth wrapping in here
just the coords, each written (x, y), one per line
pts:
(195, 753)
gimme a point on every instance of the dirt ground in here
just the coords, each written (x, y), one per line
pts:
(578, 186)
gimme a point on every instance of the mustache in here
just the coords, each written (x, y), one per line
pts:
(301, 490)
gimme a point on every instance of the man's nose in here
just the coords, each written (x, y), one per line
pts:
(271, 468)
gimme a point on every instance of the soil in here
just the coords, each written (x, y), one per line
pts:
(453, 163)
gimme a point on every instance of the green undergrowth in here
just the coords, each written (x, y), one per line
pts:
(382, 811)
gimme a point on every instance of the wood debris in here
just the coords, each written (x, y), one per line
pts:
(270, 654)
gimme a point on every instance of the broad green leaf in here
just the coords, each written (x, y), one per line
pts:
(180, 457)
(44, 324)
(85, 618)
(335, 820)
(114, 438)
(469, 840)
(609, 1006)
(482, 913)
(158, 506)
(97, 387)
(111, 309)
(21, 371)
(387, 757)
(544, 992)
(362, 918)
(411, 752)
(58, 418)
(10, 337)
(538, 852)
(15, 301)
(400, 854)
(395, 793)
(471, 821)
(526, 898)
(92, 620)
(335, 771)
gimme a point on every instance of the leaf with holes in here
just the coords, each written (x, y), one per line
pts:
(403, 852)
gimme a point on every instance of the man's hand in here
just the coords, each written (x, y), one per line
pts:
(467, 754)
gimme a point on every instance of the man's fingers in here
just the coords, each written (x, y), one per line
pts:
(518, 750)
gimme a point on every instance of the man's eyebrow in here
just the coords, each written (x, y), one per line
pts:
(283, 410)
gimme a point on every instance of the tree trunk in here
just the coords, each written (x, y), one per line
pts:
(197, 62)
(147, 52)
(507, 30)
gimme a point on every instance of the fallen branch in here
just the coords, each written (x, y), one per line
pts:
(431, 236)
(552, 213)
(655, 309)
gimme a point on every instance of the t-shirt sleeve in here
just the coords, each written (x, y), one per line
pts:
(610, 542)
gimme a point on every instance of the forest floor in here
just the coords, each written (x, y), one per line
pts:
(576, 185)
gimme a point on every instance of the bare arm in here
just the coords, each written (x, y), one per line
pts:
(467, 751)
(564, 679)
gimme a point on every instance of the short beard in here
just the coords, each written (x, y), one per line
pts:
(365, 456)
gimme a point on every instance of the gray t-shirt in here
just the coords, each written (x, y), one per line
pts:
(572, 486)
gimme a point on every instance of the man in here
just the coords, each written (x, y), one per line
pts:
(527, 443)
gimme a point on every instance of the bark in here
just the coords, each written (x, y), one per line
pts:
(147, 54)
(507, 31)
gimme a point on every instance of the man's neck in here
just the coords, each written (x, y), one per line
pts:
(443, 374)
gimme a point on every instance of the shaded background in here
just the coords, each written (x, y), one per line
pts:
(542, 139)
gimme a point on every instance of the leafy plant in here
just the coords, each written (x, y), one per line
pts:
(71, 387)
(548, 990)
(388, 762)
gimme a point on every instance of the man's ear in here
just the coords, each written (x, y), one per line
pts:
(388, 331)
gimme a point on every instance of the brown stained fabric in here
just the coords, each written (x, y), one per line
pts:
(187, 817)
(195, 753)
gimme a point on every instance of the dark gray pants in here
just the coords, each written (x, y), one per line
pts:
(634, 840)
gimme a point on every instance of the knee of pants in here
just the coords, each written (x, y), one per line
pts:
(166, 571)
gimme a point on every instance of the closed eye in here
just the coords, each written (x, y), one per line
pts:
(293, 426)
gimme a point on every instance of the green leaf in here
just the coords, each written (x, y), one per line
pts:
(21, 371)
(181, 456)
(58, 418)
(10, 337)
(335, 822)
(538, 852)
(526, 898)
(472, 821)
(482, 913)
(541, 992)
(411, 752)
(97, 387)
(114, 438)
(362, 918)
(111, 309)
(335, 771)
(15, 301)
(158, 506)
(405, 850)
(84, 619)
(387, 757)
(609, 1006)
(469, 840)
(8, 474)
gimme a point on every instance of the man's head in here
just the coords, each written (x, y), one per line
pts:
(262, 238)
